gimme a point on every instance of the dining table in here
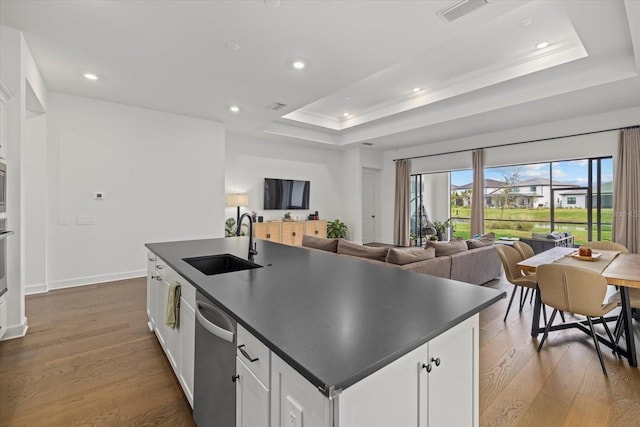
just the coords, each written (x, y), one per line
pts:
(619, 269)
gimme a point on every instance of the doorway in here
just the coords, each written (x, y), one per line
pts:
(369, 205)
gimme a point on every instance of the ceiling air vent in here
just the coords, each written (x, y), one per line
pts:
(461, 8)
(276, 106)
(369, 144)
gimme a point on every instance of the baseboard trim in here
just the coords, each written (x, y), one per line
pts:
(36, 289)
(15, 331)
(92, 280)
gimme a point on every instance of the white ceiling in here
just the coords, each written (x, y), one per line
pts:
(477, 74)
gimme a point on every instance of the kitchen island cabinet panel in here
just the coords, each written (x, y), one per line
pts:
(252, 398)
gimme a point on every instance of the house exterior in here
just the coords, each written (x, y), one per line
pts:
(530, 193)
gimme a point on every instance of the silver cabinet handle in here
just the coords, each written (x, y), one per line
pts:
(159, 267)
(216, 330)
(152, 259)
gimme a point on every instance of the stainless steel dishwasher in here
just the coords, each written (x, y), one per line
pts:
(214, 396)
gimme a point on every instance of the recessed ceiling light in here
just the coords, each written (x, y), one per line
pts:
(232, 46)
(234, 109)
(346, 115)
(90, 76)
(298, 65)
(526, 22)
(542, 45)
(415, 90)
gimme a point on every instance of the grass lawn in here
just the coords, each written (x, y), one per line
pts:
(506, 223)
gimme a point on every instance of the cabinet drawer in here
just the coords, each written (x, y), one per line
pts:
(250, 348)
(151, 260)
(160, 266)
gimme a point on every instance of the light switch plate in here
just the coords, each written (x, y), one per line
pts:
(293, 413)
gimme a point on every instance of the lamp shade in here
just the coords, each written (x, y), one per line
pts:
(237, 200)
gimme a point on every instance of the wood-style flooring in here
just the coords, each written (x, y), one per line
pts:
(89, 359)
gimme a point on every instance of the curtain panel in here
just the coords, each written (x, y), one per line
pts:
(477, 193)
(626, 191)
(401, 205)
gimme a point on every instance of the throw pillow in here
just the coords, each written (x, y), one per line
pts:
(329, 245)
(484, 240)
(448, 248)
(346, 247)
(408, 256)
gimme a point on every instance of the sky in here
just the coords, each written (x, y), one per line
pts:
(570, 171)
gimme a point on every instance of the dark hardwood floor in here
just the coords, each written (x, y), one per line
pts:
(89, 359)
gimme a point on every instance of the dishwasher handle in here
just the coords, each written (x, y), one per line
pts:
(224, 331)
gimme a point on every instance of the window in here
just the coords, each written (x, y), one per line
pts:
(574, 196)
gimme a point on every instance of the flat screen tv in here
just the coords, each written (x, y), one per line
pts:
(286, 194)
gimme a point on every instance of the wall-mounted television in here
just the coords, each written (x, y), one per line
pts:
(286, 194)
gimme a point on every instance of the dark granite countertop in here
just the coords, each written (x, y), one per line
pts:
(334, 319)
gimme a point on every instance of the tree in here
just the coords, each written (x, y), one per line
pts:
(504, 195)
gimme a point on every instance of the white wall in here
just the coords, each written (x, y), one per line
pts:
(34, 156)
(250, 160)
(162, 176)
(594, 145)
(18, 71)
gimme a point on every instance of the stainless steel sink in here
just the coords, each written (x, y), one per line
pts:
(220, 264)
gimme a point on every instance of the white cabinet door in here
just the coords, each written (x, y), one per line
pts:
(449, 392)
(187, 347)
(295, 402)
(171, 337)
(3, 317)
(252, 399)
(385, 398)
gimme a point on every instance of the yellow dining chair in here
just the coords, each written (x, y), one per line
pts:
(574, 290)
(510, 258)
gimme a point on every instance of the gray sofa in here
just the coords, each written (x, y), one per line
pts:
(476, 266)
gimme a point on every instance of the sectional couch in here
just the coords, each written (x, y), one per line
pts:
(473, 261)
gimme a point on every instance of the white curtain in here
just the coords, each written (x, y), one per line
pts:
(626, 191)
(477, 194)
(402, 200)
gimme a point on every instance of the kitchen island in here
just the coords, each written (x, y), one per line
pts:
(356, 333)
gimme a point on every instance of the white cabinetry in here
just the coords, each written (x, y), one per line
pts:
(434, 385)
(178, 343)
(253, 364)
(3, 317)
(252, 398)
(5, 94)
(295, 402)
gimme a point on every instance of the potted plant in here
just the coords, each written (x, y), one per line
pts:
(287, 216)
(336, 229)
(441, 228)
(433, 238)
(412, 239)
(230, 228)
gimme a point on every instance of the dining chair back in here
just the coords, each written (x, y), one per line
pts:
(525, 250)
(510, 258)
(606, 246)
(575, 290)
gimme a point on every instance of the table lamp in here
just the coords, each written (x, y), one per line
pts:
(237, 199)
